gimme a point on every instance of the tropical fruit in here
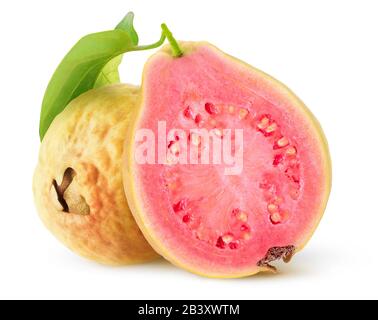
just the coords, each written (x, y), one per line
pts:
(78, 186)
(227, 214)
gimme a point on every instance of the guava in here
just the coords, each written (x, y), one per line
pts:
(194, 214)
(78, 185)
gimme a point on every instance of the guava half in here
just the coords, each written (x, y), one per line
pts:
(77, 185)
(195, 215)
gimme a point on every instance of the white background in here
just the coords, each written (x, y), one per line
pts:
(326, 51)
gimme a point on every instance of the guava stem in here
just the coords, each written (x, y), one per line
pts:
(153, 45)
(166, 34)
(177, 52)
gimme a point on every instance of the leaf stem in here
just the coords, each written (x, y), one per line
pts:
(177, 52)
(153, 45)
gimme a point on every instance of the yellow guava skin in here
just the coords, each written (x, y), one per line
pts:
(84, 144)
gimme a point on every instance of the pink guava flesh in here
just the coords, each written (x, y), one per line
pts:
(195, 215)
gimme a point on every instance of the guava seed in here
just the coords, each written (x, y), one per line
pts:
(233, 245)
(246, 236)
(195, 139)
(272, 208)
(264, 122)
(188, 113)
(281, 143)
(244, 227)
(243, 113)
(174, 147)
(198, 120)
(220, 243)
(181, 205)
(275, 218)
(278, 158)
(217, 132)
(271, 128)
(291, 151)
(211, 108)
(242, 216)
(227, 238)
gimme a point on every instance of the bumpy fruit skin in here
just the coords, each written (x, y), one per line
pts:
(139, 209)
(85, 142)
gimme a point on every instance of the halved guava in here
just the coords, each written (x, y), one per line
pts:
(194, 214)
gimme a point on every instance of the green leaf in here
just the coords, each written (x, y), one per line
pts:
(92, 62)
(127, 24)
(79, 70)
(109, 74)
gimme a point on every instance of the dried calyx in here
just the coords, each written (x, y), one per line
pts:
(276, 253)
(68, 194)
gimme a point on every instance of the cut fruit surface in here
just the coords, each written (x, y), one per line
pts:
(193, 213)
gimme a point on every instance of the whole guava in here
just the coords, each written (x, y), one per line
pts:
(78, 185)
